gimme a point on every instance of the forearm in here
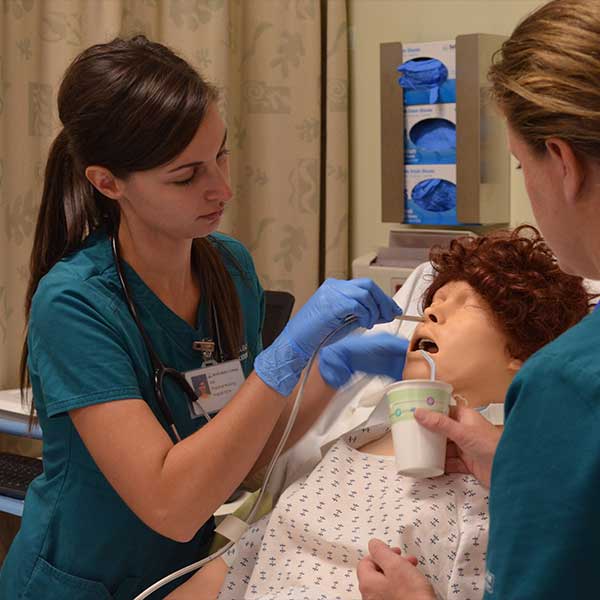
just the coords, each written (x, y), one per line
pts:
(317, 395)
(199, 473)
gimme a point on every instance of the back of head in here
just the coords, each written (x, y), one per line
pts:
(532, 300)
(546, 76)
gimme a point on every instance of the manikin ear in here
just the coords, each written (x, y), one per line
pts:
(514, 365)
(104, 181)
(569, 167)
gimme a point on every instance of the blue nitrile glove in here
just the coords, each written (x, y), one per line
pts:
(281, 364)
(435, 195)
(429, 74)
(377, 354)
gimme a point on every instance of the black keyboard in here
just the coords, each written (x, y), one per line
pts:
(16, 473)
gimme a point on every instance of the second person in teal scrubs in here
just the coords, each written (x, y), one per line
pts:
(136, 183)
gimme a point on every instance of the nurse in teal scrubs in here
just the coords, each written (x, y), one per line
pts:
(544, 470)
(131, 288)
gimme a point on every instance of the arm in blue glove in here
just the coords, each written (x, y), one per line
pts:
(380, 354)
(281, 364)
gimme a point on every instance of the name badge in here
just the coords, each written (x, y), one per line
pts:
(214, 386)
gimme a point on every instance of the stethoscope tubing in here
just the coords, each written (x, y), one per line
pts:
(158, 367)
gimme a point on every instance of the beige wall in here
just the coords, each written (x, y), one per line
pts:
(376, 21)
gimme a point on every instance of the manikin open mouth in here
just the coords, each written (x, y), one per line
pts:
(426, 344)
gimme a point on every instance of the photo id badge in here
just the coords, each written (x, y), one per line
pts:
(214, 386)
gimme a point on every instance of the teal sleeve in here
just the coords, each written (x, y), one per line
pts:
(78, 354)
(545, 493)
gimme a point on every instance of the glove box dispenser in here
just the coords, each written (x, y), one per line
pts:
(444, 154)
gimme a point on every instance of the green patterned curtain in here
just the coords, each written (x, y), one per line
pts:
(281, 66)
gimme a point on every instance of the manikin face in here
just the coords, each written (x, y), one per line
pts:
(469, 349)
(185, 198)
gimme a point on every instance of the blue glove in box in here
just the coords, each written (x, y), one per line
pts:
(430, 134)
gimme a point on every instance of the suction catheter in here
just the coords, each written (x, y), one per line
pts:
(232, 527)
(411, 318)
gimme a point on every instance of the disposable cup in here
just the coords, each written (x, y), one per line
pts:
(419, 452)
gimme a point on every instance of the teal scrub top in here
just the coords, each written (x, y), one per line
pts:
(78, 539)
(544, 538)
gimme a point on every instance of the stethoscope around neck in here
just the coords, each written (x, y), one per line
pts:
(160, 371)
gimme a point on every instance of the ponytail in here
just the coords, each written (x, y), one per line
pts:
(69, 210)
(209, 257)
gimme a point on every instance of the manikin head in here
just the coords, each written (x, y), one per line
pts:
(494, 301)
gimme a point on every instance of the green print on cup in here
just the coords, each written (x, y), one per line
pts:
(403, 402)
(418, 452)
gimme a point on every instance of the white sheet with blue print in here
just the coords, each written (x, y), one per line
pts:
(308, 548)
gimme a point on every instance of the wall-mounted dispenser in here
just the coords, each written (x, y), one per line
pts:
(444, 154)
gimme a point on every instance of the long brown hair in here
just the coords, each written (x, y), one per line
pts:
(127, 105)
(546, 76)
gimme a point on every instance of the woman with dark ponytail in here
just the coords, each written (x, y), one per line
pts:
(133, 297)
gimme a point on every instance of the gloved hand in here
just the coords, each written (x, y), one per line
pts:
(380, 354)
(281, 364)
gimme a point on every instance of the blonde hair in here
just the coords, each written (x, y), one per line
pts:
(546, 76)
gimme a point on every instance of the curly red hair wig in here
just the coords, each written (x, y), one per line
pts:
(517, 275)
